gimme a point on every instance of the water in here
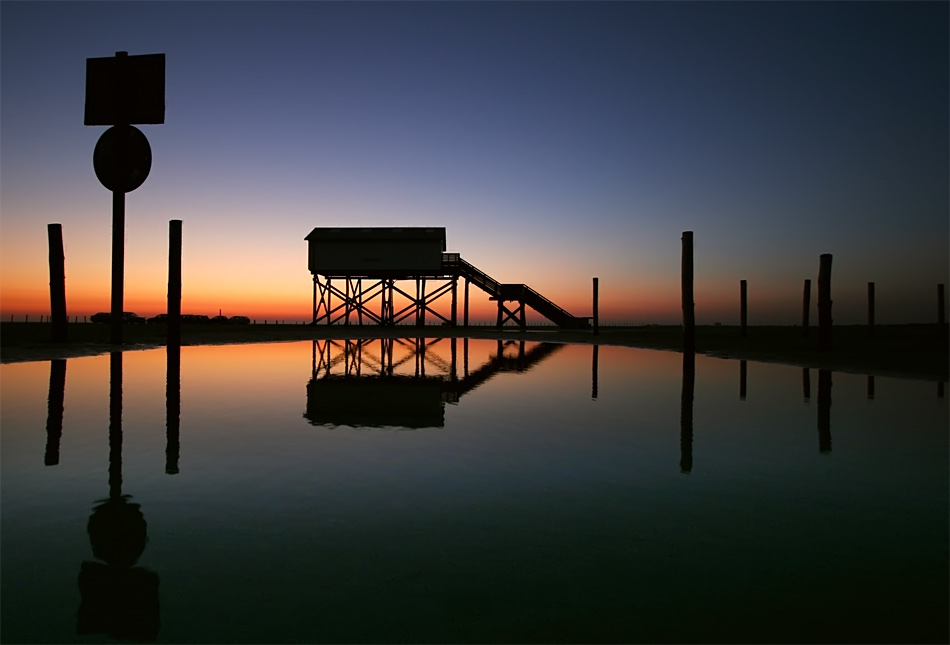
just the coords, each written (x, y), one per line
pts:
(353, 492)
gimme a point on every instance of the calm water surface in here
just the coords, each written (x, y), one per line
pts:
(356, 492)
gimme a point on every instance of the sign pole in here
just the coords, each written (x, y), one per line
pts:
(121, 91)
(118, 202)
(118, 265)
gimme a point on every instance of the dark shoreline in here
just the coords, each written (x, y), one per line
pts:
(904, 351)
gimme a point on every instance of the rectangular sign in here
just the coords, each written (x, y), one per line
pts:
(134, 85)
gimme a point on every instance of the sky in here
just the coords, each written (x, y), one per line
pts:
(554, 141)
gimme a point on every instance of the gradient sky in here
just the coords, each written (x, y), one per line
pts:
(554, 141)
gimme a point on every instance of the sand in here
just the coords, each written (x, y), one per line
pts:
(906, 351)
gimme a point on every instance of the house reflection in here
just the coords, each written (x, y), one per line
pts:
(364, 382)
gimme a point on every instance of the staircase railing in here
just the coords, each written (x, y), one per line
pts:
(488, 284)
(520, 292)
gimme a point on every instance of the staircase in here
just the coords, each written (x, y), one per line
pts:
(521, 293)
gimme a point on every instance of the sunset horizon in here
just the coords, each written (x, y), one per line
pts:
(776, 132)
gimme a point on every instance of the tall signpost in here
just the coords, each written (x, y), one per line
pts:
(120, 92)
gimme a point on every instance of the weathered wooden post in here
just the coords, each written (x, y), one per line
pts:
(806, 306)
(824, 302)
(743, 308)
(689, 315)
(465, 322)
(455, 303)
(174, 283)
(596, 313)
(57, 282)
(871, 309)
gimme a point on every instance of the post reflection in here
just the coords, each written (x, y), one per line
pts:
(593, 378)
(806, 384)
(355, 384)
(743, 373)
(172, 408)
(686, 412)
(118, 599)
(824, 411)
(54, 410)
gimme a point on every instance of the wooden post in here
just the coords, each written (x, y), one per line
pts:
(824, 302)
(871, 309)
(313, 321)
(465, 321)
(596, 313)
(689, 316)
(743, 308)
(806, 306)
(57, 282)
(455, 301)
(174, 283)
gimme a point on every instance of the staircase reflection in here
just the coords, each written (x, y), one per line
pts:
(363, 382)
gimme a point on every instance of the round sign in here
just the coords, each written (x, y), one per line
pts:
(123, 175)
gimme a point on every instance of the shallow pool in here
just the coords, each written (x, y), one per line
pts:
(468, 491)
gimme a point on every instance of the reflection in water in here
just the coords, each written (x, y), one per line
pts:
(172, 407)
(870, 386)
(117, 598)
(54, 410)
(824, 411)
(743, 368)
(806, 384)
(413, 531)
(686, 412)
(593, 378)
(352, 384)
